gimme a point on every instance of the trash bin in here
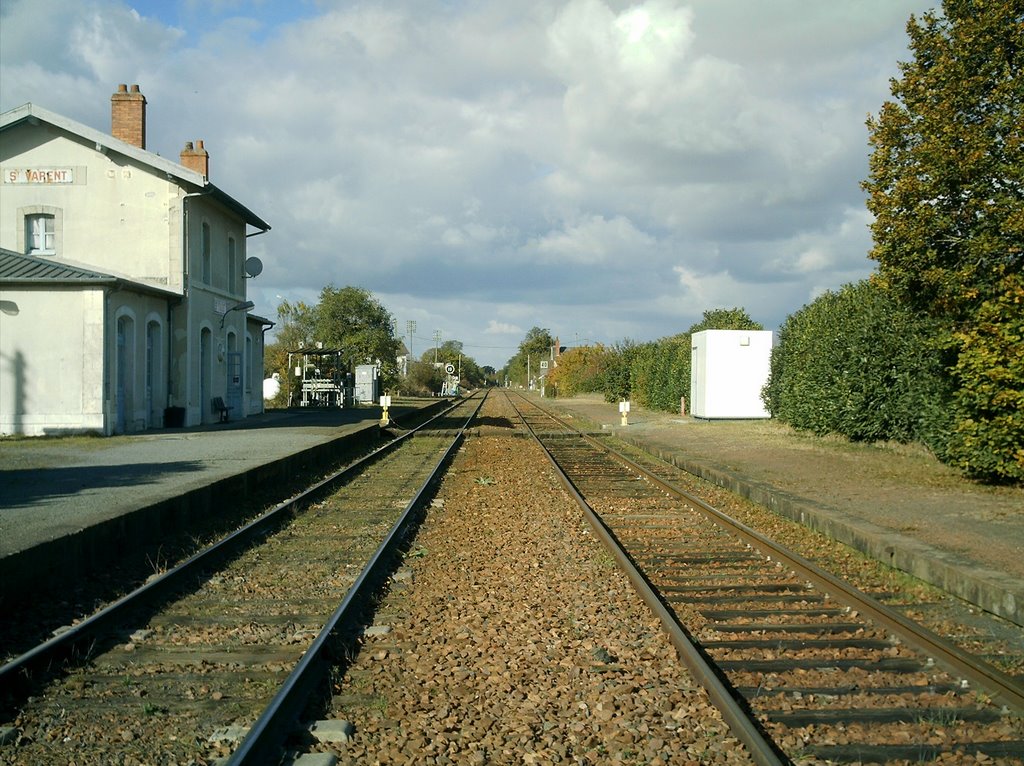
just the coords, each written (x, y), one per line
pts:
(174, 417)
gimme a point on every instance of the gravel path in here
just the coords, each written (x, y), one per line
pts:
(510, 637)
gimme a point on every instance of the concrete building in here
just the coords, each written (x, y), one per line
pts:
(122, 280)
(728, 369)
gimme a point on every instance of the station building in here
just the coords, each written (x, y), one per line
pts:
(122, 281)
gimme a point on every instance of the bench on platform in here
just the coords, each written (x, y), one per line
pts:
(217, 405)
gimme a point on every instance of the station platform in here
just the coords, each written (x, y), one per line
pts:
(68, 503)
(894, 503)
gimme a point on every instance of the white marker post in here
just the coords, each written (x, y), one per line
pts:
(385, 403)
(624, 409)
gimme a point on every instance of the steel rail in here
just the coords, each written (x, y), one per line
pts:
(16, 675)
(761, 749)
(955, 660)
(262, 744)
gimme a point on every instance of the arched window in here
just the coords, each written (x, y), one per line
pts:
(154, 358)
(124, 374)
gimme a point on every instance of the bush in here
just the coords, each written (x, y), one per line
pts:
(616, 382)
(423, 379)
(855, 363)
(580, 370)
(988, 441)
(661, 373)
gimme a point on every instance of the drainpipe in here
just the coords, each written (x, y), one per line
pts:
(109, 361)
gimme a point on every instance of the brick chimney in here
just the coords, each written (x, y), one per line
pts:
(196, 158)
(128, 116)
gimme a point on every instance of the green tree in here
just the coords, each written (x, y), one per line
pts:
(534, 347)
(946, 182)
(988, 441)
(295, 326)
(581, 369)
(618, 373)
(946, 187)
(726, 319)
(857, 363)
(450, 352)
(351, 319)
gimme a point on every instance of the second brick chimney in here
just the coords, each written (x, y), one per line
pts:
(128, 116)
(196, 158)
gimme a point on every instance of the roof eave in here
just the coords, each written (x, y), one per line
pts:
(232, 204)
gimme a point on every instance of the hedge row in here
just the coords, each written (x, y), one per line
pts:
(654, 375)
(860, 364)
(855, 363)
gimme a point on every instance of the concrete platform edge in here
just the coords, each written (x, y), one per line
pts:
(994, 592)
(47, 565)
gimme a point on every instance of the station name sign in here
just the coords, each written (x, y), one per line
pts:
(39, 175)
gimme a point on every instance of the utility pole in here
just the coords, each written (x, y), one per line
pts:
(410, 327)
(437, 342)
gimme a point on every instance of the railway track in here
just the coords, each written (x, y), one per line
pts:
(219, 655)
(236, 653)
(805, 668)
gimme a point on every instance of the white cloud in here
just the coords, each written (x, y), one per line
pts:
(503, 328)
(599, 168)
(591, 241)
(713, 289)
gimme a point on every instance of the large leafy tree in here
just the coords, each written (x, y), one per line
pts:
(350, 318)
(946, 181)
(946, 187)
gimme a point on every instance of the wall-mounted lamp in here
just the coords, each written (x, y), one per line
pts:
(238, 307)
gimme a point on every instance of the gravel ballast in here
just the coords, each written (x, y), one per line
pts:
(510, 637)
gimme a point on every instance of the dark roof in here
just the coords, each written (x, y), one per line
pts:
(26, 269)
(20, 269)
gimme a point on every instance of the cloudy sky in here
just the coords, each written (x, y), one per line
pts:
(603, 169)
